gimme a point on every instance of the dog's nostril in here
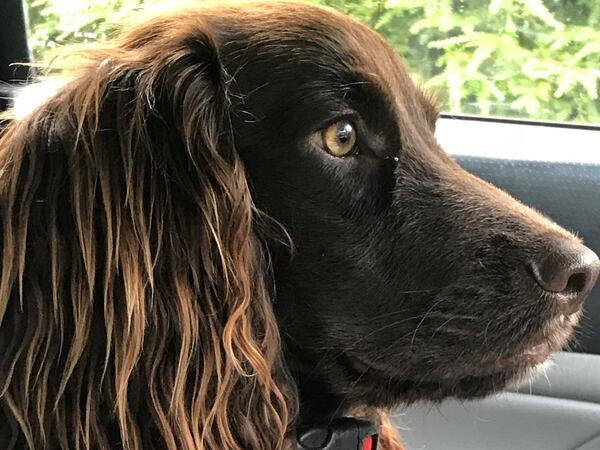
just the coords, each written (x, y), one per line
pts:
(570, 269)
(576, 283)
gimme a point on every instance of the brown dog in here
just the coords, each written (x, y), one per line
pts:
(233, 210)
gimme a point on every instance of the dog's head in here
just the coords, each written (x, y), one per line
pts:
(183, 160)
(411, 278)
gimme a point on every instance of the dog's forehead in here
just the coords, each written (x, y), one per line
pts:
(300, 30)
(299, 34)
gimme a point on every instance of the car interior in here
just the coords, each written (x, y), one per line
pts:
(554, 167)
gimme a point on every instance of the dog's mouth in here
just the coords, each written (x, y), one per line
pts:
(520, 362)
(384, 387)
(474, 377)
(530, 358)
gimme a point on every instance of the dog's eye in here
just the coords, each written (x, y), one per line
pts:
(340, 138)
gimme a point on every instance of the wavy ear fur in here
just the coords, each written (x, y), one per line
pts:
(134, 304)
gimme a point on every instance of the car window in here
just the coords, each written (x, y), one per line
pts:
(531, 59)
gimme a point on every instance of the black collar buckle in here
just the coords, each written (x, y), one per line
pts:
(344, 433)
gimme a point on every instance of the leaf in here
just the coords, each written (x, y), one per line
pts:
(461, 39)
(480, 55)
(497, 93)
(564, 83)
(586, 50)
(589, 80)
(541, 12)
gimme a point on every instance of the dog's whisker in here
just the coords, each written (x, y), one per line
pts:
(333, 357)
(425, 316)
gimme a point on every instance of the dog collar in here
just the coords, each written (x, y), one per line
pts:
(344, 433)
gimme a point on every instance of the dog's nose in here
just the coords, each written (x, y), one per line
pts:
(570, 269)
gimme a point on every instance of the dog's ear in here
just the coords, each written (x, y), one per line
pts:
(134, 304)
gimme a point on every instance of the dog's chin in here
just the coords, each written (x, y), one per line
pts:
(382, 389)
(383, 386)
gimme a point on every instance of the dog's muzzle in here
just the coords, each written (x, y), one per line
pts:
(345, 433)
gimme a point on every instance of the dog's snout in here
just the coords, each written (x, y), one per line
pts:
(570, 269)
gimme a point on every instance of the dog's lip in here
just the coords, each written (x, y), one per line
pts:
(538, 352)
(532, 356)
(362, 367)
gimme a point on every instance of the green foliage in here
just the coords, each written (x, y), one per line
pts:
(56, 23)
(529, 58)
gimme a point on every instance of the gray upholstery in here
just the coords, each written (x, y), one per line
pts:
(559, 410)
(592, 444)
(573, 376)
(508, 421)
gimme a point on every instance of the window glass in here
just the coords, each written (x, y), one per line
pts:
(534, 59)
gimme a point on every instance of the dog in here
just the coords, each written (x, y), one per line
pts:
(236, 220)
